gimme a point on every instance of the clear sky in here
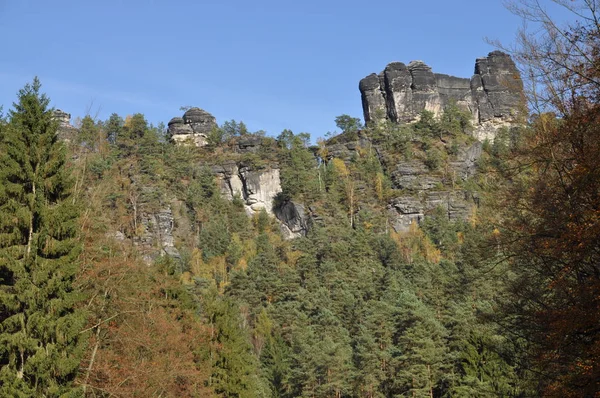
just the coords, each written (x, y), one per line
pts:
(273, 64)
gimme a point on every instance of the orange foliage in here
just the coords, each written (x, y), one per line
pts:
(415, 243)
(557, 219)
(142, 343)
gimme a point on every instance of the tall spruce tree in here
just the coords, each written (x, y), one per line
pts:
(39, 325)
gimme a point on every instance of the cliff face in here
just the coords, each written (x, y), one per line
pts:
(256, 187)
(493, 95)
(247, 165)
(420, 190)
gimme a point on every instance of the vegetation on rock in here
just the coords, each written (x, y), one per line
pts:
(426, 264)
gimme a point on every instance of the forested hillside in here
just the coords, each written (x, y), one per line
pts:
(392, 260)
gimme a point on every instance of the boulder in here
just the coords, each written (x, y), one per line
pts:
(177, 127)
(63, 118)
(250, 143)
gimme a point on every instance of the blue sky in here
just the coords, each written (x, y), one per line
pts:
(273, 64)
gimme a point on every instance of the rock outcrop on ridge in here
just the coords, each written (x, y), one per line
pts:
(66, 131)
(256, 187)
(493, 95)
(421, 191)
(193, 127)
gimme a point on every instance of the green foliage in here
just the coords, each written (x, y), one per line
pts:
(348, 124)
(231, 129)
(114, 127)
(424, 363)
(89, 133)
(298, 166)
(40, 346)
(353, 309)
(434, 158)
(235, 368)
(455, 121)
(427, 125)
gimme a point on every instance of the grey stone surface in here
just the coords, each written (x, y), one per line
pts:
(193, 128)
(64, 118)
(466, 164)
(257, 188)
(404, 210)
(66, 131)
(397, 90)
(345, 146)
(157, 238)
(493, 96)
(498, 93)
(457, 89)
(295, 222)
(201, 121)
(373, 97)
(177, 127)
(413, 175)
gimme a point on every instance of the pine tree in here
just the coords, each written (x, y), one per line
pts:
(235, 368)
(39, 325)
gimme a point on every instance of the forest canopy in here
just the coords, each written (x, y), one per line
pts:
(131, 265)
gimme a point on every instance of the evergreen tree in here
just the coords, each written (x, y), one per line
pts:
(235, 368)
(113, 127)
(39, 326)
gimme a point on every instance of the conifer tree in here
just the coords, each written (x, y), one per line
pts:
(39, 325)
(235, 368)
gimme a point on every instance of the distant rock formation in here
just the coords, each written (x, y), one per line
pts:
(295, 220)
(404, 210)
(156, 238)
(66, 131)
(193, 127)
(257, 188)
(421, 190)
(63, 118)
(494, 95)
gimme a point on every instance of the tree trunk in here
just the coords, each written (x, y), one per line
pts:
(30, 237)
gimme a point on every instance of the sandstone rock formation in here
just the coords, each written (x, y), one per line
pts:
(295, 222)
(66, 131)
(494, 95)
(405, 210)
(157, 238)
(421, 189)
(257, 188)
(63, 118)
(194, 127)
(426, 190)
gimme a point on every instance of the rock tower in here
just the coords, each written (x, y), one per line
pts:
(493, 95)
